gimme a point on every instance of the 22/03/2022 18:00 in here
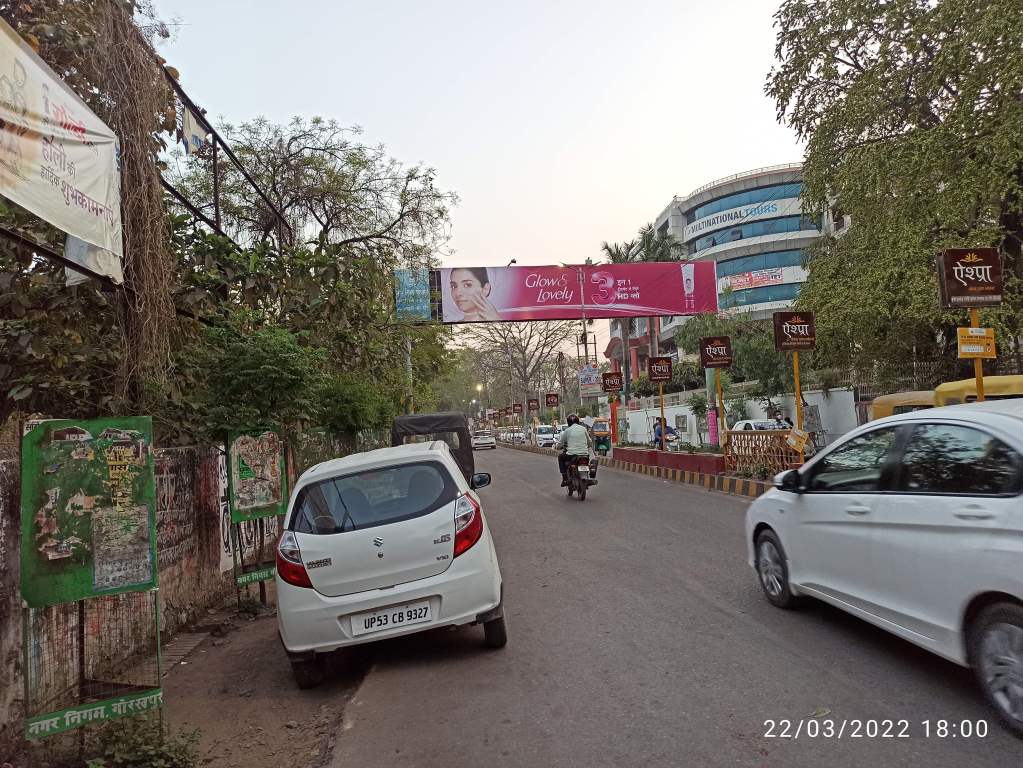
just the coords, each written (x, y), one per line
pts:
(825, 728)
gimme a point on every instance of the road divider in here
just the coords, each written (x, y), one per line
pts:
(736, 486)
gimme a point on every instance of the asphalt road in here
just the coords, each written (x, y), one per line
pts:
(638, 637)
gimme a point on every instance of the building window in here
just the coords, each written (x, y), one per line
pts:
(785, 292)
(754, 229)
(761, 195)
(772, 260)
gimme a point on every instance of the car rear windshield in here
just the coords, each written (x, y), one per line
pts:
(483, 434)
(451, 438)
(371, 498)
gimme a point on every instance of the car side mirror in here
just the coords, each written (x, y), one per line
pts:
(788, 480)
(480, 480)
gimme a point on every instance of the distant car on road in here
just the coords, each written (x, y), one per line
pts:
(913, 523)
(381, 544)
(543, 436)
(483, 439)
(749, 424)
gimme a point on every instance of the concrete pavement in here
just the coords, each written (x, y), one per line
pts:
(638, 636)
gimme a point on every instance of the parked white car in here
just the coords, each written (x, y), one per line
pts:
(914, 523)
(483, 439)
(380, 544)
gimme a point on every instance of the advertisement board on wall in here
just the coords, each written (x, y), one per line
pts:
(256, 474)
(88, 509)
(734, 217)
(758, 278)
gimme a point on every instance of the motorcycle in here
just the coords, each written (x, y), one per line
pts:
(582, 473)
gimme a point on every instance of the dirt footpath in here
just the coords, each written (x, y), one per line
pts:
(238, 690)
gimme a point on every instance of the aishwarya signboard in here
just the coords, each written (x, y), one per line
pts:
(970, 277)
(517, 408)
(534, 404)
(794, 331)
(612, 382)
(716, 352)
(659, 369)
(552, 399)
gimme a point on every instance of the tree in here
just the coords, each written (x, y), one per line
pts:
(699, 405)
(911, 112)
(519, 354)
(755, 358)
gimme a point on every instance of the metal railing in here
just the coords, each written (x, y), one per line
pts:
(743, 175)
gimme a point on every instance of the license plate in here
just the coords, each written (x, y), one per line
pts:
(391, 618)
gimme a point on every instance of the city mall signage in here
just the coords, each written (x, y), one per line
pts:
(612, 382)
(659, 369)
(588, 291)
(970, 277)
(794, 331)
(552, 400)
(716, 352)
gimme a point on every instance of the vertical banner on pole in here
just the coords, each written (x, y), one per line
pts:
(716, 353)
(659, 371)
(795, 331)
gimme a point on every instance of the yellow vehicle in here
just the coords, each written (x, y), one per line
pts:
(901, 402)
(965, 391)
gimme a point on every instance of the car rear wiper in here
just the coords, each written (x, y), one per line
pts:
(348, 515)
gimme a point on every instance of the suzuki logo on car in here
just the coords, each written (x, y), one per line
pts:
(378, 541)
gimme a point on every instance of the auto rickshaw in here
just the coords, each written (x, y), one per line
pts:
(601, 431)
(450, 427)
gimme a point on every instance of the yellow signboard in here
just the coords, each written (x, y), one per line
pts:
(796, 439)
(977, 343)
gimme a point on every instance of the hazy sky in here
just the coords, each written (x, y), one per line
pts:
(560, 124)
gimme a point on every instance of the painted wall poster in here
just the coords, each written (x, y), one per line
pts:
(256, 474)
(88, 509)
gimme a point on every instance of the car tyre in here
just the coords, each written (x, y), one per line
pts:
(773, 570)
(495, 633)
(995, 645)
(308, 673)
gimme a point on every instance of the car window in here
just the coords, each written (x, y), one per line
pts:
(943, 458)
(855, 466)
(451, 438)
(371, 498)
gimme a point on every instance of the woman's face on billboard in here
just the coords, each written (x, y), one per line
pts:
(467, 291)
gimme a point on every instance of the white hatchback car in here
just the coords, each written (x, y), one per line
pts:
(384, 543)
(914, 523)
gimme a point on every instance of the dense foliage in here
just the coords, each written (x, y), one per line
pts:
(911, 110)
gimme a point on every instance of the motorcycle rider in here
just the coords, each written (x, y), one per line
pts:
(574, 441)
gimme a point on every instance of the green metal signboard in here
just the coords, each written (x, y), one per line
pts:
(53, 723)
(252, 577)
(256, 474)
(88, 509)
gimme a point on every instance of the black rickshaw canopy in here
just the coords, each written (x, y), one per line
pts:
(451, 427)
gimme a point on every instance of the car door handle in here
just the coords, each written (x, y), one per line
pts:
(979, 514)
(857, 510)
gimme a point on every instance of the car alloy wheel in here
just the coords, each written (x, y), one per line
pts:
(769, 566)
(1000, 664)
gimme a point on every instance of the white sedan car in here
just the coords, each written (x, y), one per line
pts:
(483, 439)
(380, 544)
(913, 523)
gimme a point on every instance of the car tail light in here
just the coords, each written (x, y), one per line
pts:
(468, 523)
(289, 562)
